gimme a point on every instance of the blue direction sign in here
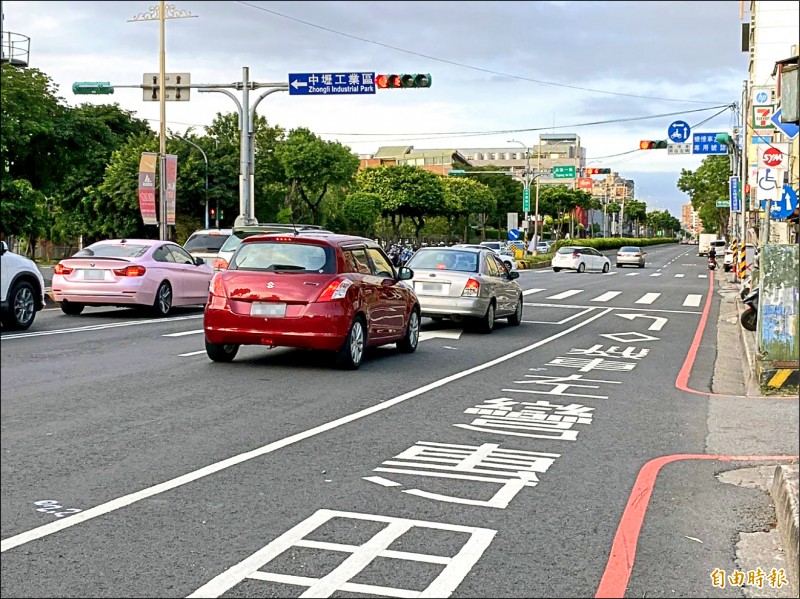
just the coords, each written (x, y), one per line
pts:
(706, 143)
(322, 84)
(783, 207)
(789, 129)
(733, 194)
(513, 234)
(678, 132)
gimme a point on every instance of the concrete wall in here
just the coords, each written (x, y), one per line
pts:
(778, 331)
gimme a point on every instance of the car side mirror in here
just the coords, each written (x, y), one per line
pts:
(199, 261)
(405, 273)
(513, 275)
(3, 247)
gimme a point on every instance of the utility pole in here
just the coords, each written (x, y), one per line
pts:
(159, 13)
(205, 159)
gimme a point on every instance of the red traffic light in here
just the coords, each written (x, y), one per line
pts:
(649, 144)
(382, 81)
(402, 80)
(592, 171)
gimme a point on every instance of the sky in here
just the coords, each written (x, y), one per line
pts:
(612, 72)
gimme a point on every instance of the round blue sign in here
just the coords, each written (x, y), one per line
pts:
(513, 234)
(678, 132)
(761, 97)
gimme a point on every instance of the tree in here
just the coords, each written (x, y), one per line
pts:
(705, 186)
(311, 166)
(463, 197)
(406, 191)
(360, 211)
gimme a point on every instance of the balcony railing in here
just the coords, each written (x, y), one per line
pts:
(15, 49)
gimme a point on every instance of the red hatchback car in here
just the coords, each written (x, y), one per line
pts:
(311, 290)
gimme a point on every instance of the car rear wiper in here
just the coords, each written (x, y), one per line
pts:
(275, 267)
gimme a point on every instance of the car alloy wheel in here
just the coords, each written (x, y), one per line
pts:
(163, 303)
(581, 267)
(516, 317)
(352, 352)
(408, 344)
(487, 322)
(23, 305)
(606, 266)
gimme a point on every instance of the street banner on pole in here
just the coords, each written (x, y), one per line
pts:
(172, 177)
(147, 187)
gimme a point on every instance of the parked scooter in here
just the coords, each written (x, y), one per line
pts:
(749, 317)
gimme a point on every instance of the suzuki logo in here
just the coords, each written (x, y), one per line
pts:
(91, 263)
(270, 285)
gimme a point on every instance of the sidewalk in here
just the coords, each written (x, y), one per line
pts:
(735, 374)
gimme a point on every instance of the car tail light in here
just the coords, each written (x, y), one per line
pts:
(130, 271)
(60, 269)
(576, 254)
(472, 288)
(637, 255)
(216, 288)
(219, 264)
(336, 289)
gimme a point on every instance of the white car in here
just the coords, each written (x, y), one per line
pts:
(505, 255)
(21, 289)
(580, 259)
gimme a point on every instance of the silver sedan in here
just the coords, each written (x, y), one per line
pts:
(466, 283)
(630, 255)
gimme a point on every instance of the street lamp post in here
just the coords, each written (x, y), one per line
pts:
(205, 159)
(526, 186)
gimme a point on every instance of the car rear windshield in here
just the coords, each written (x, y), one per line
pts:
(211, 242)
(628, 248)
(568, 251)
(445, 260)
(272, 256)
(112, 250)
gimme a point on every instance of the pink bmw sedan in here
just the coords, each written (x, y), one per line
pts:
(131, 273)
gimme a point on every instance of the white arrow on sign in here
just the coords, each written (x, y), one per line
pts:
(658, 322)
(453, 334)
(296, 84)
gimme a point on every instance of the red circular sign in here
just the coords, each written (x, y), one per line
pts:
(773, 157)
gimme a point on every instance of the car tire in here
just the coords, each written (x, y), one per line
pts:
(71, 308)
(556, 269)
(162, 305)
(221, 352)
(617, 265)
(352, 352)
(516, 318)
(581, 267)
(641, 266)
(408, 344)
(21, 307)
(606, 267)
(486, 324)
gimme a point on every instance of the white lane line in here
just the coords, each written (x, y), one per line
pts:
(702, 276)
(656, 274)
(648, 298)
(183, 333)
(192, 353)
(100, 327)
(678, 276)
(632, 274)
(606, 296)
(131, 498)
(566, 294)
(531, 291)
(692, 300)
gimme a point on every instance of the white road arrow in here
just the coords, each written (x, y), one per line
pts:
(453, 334)
(658, 322)
(296, 84)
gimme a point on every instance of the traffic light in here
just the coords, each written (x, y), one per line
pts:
(597, 171)
(403, 80)
(649, 144)
(212, 212)
(92, 87)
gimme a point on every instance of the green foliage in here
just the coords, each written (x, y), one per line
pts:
(705, 186)
(361, 211)
(311, 166)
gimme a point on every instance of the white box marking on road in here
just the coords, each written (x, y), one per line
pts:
(692, 300)
(679, 276)
(566, 294)
(606, 296)
(648, 298)
(531, 291)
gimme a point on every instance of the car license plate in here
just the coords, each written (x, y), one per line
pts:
(273, 309)
(433, 288)
(94, 274)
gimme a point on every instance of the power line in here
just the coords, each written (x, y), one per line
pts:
(466, 66)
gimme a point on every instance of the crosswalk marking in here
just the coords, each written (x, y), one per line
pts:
(606, 296)
(530, 291)
(632, 274)
(679, 276)
(702, 276)
(566, 294)
(692, 300)
(656, 274)
(648, 298)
